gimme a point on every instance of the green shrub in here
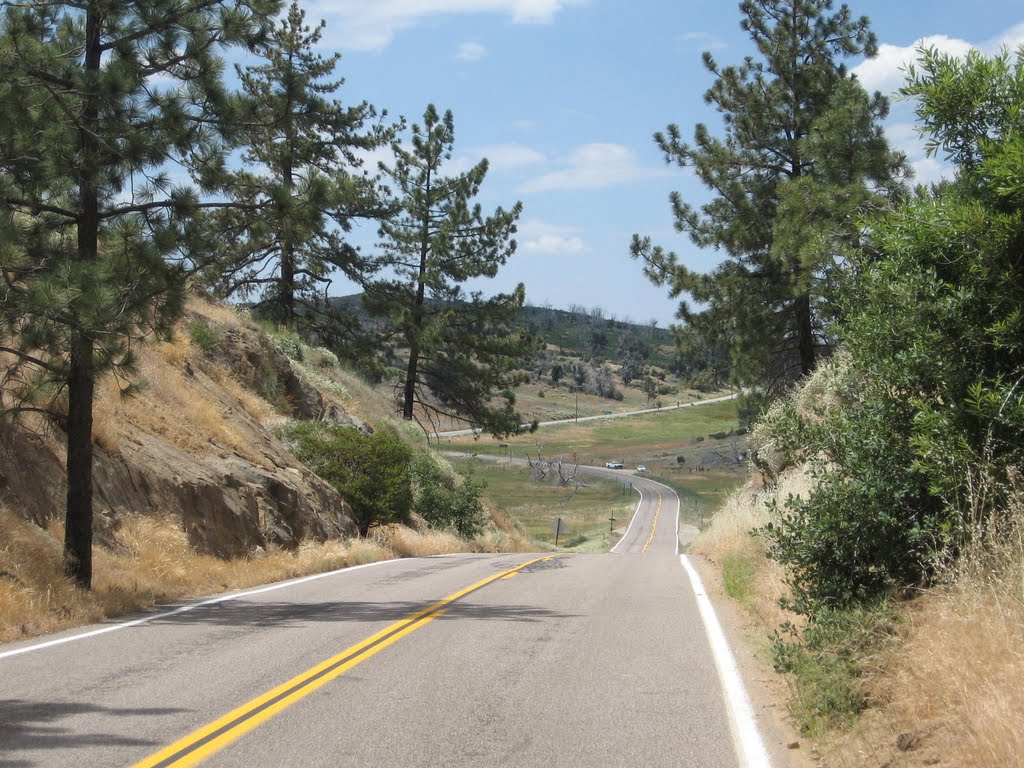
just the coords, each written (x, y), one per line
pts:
(443, 502)
(371, 472)
(202, 335)
(827, 663)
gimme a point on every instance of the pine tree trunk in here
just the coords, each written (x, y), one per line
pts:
(410, 382)
(287, 288)
(78, 518)
(81, 376)
(417, 311)
(805, 333)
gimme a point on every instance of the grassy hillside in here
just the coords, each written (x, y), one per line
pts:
(207, 408)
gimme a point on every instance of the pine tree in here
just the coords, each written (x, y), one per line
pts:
(460, 346)
(801, 158)
(310, 189)
(97, 100)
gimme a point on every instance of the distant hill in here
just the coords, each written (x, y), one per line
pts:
(577, 331)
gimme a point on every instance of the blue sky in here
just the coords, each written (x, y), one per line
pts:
(563, 96)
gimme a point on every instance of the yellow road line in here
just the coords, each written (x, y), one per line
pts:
(654, 525)
(211, 738)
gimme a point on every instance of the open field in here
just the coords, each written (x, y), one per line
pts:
(585, 512)
(631, 440)
(558, 402)
(707, 474)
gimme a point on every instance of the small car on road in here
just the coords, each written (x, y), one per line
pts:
(641, 468)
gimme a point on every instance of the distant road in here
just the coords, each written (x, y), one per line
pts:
(473, 661)
(468, 432)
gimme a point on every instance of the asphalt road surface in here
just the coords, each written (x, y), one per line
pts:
(466, 660)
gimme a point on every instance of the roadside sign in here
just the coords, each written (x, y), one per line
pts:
(559, 527)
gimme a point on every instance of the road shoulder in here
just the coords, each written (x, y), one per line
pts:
(768, 691)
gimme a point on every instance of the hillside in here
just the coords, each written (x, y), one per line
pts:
(575, 332)
(194, 491)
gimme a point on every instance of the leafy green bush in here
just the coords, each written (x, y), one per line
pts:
(444, 503)
(921, 448)
(371, 472)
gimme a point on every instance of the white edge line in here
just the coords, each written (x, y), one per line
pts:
(186, 608)
(749, 746)
(679, 514)
(632, 520)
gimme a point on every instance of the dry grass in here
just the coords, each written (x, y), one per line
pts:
(729, 539)
(958, 677)
(153, 564)
(218, 312)
(254, 405)
(406, 542)
(175, 405)
(953, 687)
(506, 535)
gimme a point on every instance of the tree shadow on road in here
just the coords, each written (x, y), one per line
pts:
(35, 725)
(245, 613)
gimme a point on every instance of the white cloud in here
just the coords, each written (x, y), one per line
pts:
(505, 157)
(550, 240)
(701, 39)
(886, 71)
(371, 26)
(594, 166)
(929, 170)
(471, 51)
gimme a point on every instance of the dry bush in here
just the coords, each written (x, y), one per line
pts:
(406, 542)
(361, 551)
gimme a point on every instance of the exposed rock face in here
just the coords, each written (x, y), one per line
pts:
(230, 504)
(261, 367)
(227, 505)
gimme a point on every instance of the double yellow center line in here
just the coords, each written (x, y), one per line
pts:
(654, 525)
(211, 738)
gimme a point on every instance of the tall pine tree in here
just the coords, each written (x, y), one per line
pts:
(462, 351)
(801, 157)
(302, 173)
(98, 99)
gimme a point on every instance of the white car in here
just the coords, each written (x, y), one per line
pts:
(613, 464)
(641, 468)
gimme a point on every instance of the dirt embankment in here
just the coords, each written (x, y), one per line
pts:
(193, 443)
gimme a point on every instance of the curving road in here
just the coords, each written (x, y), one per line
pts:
(466, 660)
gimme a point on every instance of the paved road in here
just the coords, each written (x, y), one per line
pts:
(467, 660)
